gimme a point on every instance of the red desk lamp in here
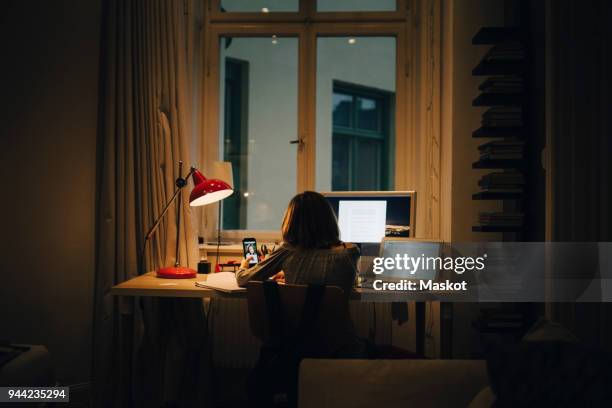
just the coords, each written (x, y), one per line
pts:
(205, 191)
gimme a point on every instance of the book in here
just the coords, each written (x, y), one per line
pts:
(492, 218)
(221, 281)
(503, 145)
(507, 179)
(503, 85)
(501, 156)
(513, 52)
(503, 190)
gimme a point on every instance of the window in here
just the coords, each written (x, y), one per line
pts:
(259, 80)
(352, 5)
(361, 139)
(235, 130)
(355, 112)
(304, 97)
(259, 6)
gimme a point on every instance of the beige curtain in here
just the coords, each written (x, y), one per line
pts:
(149, 51)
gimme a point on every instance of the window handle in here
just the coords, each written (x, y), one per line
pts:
(299, 142)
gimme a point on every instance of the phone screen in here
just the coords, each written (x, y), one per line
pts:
(250, 249)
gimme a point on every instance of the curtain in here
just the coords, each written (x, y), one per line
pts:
(146, 351)
(581, 169)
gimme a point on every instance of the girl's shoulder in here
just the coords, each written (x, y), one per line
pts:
(342, 247)
(345, 247)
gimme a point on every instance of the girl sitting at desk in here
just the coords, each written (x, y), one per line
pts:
(312, 252)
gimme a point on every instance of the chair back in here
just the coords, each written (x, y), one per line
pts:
(329, 325)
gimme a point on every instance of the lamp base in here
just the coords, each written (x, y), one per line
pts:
(176, 272)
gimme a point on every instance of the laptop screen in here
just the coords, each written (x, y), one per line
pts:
(414, 259)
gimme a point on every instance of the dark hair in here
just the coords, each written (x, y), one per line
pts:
(310, 222)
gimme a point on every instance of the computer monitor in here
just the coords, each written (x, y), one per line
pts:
(369, 216)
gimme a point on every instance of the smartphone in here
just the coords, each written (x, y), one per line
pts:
(249, 246)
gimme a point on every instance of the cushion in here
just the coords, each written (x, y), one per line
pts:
(389, 383)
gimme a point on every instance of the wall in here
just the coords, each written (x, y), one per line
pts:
(47, 167)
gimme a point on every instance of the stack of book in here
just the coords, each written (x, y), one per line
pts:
(510, 52)
(502, 150)
(503, 182)
(503, 85)
(500, 219)
(503, 116)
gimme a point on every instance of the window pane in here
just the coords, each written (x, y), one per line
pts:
(356, 5)
(367, 114)
(260, 6)
(368, 168)
(343, 107)
(341, 165)
(258, 111)
(355, 107)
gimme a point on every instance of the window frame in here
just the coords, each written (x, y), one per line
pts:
(307, 12)
(306, 25)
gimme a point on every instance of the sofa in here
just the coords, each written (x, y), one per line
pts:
(390, 383)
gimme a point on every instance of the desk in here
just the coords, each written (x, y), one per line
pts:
(150, 285)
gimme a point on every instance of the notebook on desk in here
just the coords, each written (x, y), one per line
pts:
(221, 281)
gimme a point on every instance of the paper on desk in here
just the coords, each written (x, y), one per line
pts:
(222, 281)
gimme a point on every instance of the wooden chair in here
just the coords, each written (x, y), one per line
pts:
(293, 322)
(328, 326)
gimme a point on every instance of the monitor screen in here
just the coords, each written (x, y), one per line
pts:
(368, 217)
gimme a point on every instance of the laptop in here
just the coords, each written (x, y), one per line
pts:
(416, 261)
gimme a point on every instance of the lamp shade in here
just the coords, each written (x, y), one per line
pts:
(208, 191)
(222, 170)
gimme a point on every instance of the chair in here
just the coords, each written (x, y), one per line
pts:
(293, 322)
(330, 324)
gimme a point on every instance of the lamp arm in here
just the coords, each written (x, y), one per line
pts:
(180, 183)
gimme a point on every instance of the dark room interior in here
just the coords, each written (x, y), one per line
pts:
(306, 203)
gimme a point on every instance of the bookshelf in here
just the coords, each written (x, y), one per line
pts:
(494, 195)
(498, 68)
(497, 35)
(499, 131)
(511, 76)
(503, 92)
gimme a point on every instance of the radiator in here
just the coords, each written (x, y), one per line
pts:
(233, 345)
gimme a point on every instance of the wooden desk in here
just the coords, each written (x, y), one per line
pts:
(150, 285)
